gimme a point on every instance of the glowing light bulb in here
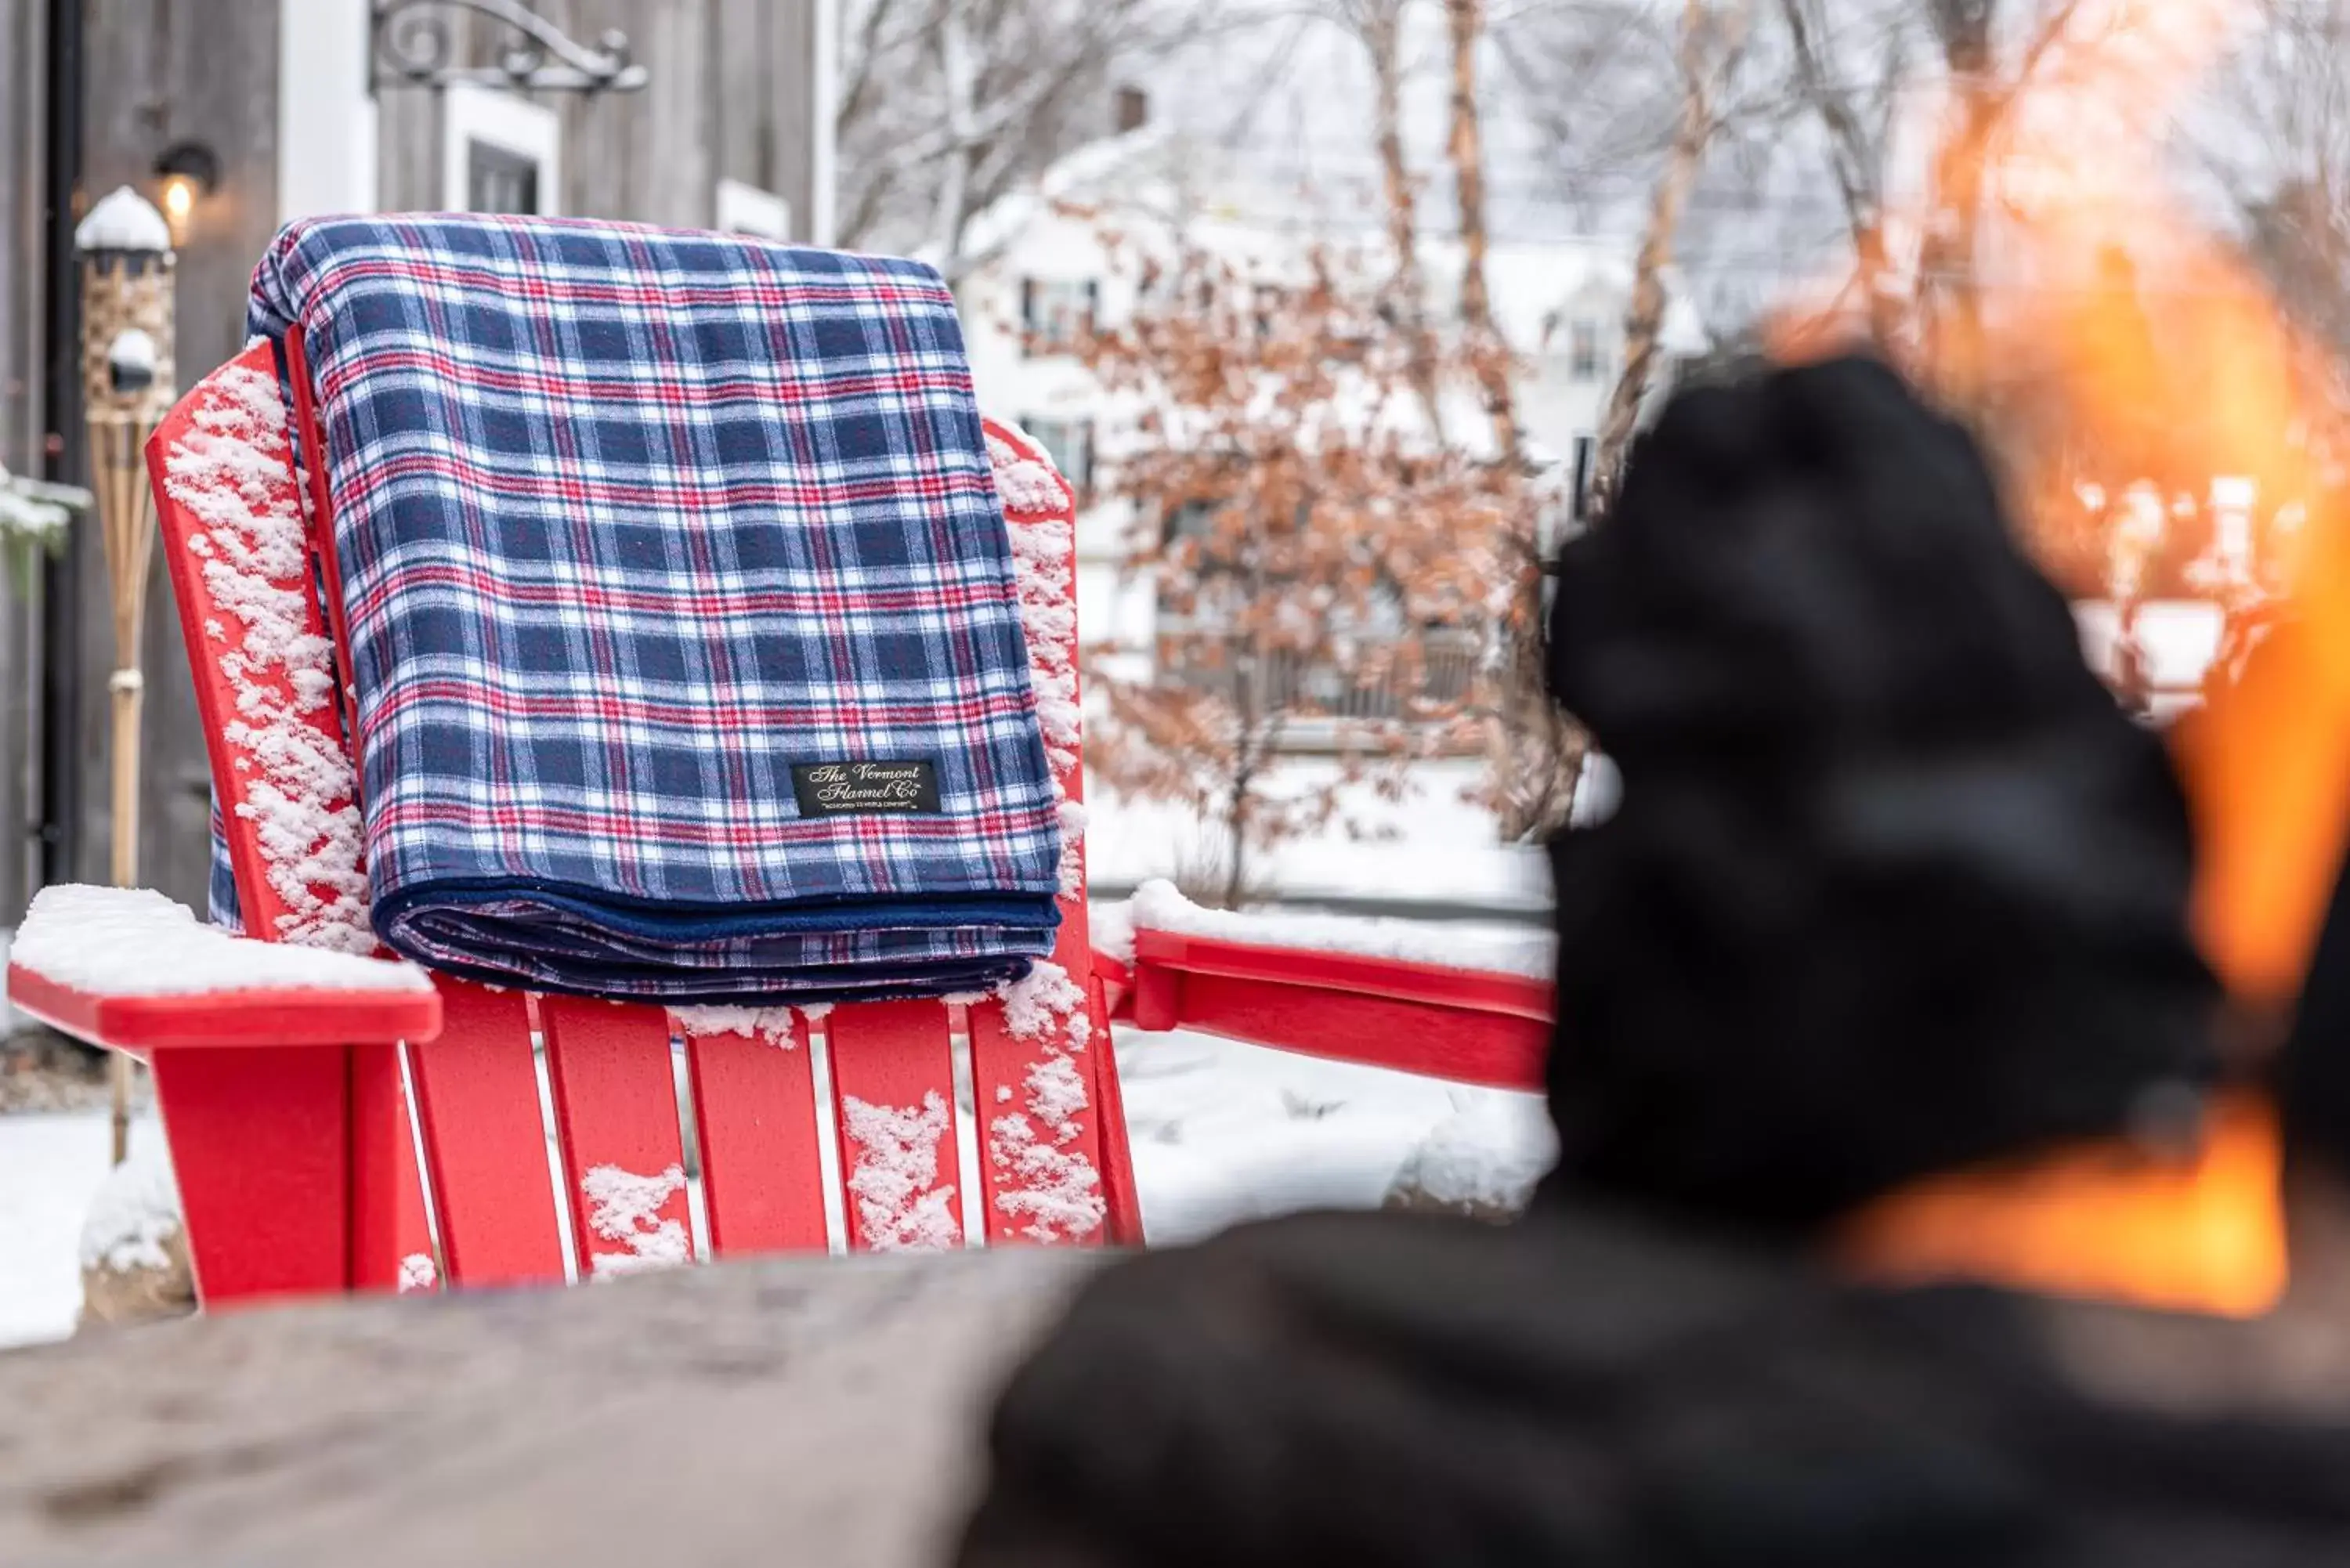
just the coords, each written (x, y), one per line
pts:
(179, 200)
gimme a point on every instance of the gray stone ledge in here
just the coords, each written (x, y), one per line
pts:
(812, 1411)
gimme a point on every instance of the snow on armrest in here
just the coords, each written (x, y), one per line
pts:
(1469, 1004)
(128, 968)
(1438, 944)
(1110, 928)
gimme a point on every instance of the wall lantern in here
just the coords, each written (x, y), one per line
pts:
(185, 173)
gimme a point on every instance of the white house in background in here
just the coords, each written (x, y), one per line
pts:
(1047, 269)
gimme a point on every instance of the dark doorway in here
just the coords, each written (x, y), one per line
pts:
(497, 181)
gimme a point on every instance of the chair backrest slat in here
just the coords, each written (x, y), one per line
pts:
(1039, 1058)
(233, 537)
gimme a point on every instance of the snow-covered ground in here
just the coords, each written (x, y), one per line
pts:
(1224, 1133)
(1435, 844)
(2178, 639)
(50, 1167)
(1221, 1133)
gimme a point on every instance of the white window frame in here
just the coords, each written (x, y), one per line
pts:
(326, 121)
(1057, 314)
(1586, 332)
(513, 125)
(1076, 459)
(824, 160)
(745, 209)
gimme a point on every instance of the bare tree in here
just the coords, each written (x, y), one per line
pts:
(1595, 81)
(1320, 564)
(1712, 36)
(946, 105)
(1533, 751)
(1986, 86)
(2278, 141)
(1490, 356)
(1378, 26)
(1852, 92)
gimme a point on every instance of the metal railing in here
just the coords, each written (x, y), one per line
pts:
(1427, 682)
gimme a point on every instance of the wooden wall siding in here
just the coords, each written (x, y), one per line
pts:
(729, 99)
(784, 161)
(408, 144)
(644, 155)
(21, 153)
(158, 71)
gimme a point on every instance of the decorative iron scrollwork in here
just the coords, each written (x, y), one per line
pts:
(414, 44)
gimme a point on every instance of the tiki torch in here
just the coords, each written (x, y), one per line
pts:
(127, 379)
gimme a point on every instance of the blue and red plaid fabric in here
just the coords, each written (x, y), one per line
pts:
(630, 524)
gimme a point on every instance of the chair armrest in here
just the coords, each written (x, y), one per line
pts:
(1376, 992)
(1115, 973)
(131, 970)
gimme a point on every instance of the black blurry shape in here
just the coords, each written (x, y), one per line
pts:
(1373, 1390)
(1894, 886)
(2313, 1073)
(1592, 1390)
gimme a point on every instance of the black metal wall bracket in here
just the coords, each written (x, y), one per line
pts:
(413, 43)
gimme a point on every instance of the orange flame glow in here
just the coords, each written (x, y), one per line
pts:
(2102, 1222)
(2206, 389)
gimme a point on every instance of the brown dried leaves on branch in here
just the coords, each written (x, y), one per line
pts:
(1330, 578)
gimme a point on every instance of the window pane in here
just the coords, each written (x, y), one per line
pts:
(1068, 442)
(1058, 315)
(497, 181)
(1584, 351)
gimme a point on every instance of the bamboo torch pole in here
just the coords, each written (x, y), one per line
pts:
(127, 269)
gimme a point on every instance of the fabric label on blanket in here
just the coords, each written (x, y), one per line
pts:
(839, 789)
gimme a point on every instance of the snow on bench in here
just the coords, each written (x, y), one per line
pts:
(1469, 1003)
(128, 968)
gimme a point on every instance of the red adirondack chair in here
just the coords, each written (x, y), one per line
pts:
(344, 1122)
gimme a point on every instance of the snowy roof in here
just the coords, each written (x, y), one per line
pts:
(124, 220)
(1535, 287)
(1118, 162)
(132, 349)
(1228, 210)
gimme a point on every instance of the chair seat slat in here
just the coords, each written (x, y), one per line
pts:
(754, 1094)
(485, 1151)
(893, 1078)
(1040, 1115)
(615, 1103)
(391, 1239)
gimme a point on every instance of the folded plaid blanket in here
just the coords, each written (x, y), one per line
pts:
(680, 610)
